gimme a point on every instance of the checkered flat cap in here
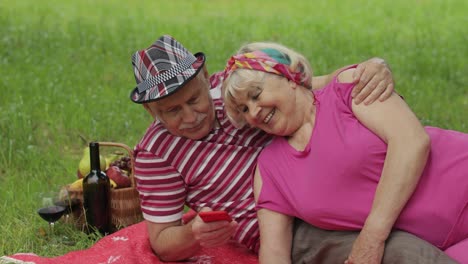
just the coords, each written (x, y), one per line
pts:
(163, 68)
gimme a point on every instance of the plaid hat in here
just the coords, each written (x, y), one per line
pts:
(163, 68)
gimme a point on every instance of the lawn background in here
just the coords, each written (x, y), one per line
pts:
(65, 74)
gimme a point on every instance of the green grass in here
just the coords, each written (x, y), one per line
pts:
(65, 74)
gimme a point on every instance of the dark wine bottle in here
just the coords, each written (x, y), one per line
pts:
(96, 195)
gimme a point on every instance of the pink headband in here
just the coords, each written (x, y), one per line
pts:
(262, 61)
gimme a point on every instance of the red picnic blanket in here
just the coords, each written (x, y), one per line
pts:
(131, 246)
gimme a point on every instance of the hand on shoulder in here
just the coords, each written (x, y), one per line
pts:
(346, 76)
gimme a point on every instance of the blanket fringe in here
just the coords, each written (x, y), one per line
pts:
(8, 260)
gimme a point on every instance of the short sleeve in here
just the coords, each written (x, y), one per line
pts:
(271, 196)
(343, 90)
(161, 188)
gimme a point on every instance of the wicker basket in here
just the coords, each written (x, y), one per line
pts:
(125, 202)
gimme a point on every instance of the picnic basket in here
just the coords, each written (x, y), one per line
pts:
(125, 202)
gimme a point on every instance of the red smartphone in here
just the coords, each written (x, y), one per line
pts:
(213, 216)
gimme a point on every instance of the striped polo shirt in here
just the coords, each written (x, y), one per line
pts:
(215, 171)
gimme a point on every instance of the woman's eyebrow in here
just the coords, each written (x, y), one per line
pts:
(253, 92)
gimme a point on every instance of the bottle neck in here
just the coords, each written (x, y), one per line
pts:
(94, 154)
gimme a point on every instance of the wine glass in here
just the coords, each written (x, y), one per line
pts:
(49, 211)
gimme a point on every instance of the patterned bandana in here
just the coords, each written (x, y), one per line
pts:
(266, 60)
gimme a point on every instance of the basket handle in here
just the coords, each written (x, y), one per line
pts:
(130, 154)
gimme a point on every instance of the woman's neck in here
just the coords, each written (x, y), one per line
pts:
(306, 103)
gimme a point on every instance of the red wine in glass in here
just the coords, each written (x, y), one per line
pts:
(51, 214)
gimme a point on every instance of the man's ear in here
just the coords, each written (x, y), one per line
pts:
(150, 111)
(205, 72)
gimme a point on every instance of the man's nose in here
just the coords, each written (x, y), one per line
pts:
(188, 114)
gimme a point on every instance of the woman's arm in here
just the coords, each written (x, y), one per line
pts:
(373, 80)
(407, 152)
(275, 231)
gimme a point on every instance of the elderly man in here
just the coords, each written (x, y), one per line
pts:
(193, 155)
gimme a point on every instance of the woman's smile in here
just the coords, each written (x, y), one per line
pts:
(267, 119)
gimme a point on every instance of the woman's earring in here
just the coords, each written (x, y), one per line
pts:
(293, 84)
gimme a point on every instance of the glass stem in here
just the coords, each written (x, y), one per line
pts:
(51, 225)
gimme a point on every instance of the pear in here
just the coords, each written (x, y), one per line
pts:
(85, 163)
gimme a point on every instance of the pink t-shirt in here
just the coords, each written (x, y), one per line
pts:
(331, 184)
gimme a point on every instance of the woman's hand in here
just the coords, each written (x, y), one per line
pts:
(373, 80)
(367, 249)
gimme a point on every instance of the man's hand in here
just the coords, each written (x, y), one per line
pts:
(214, 233)
(367, 249)
(373, 80)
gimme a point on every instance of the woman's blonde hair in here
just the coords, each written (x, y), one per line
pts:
(244, 79)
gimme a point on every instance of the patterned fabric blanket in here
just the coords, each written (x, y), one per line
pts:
(131, 246)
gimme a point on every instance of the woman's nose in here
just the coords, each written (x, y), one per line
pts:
(254, 112)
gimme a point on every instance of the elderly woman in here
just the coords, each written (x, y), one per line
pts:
(342, 166)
